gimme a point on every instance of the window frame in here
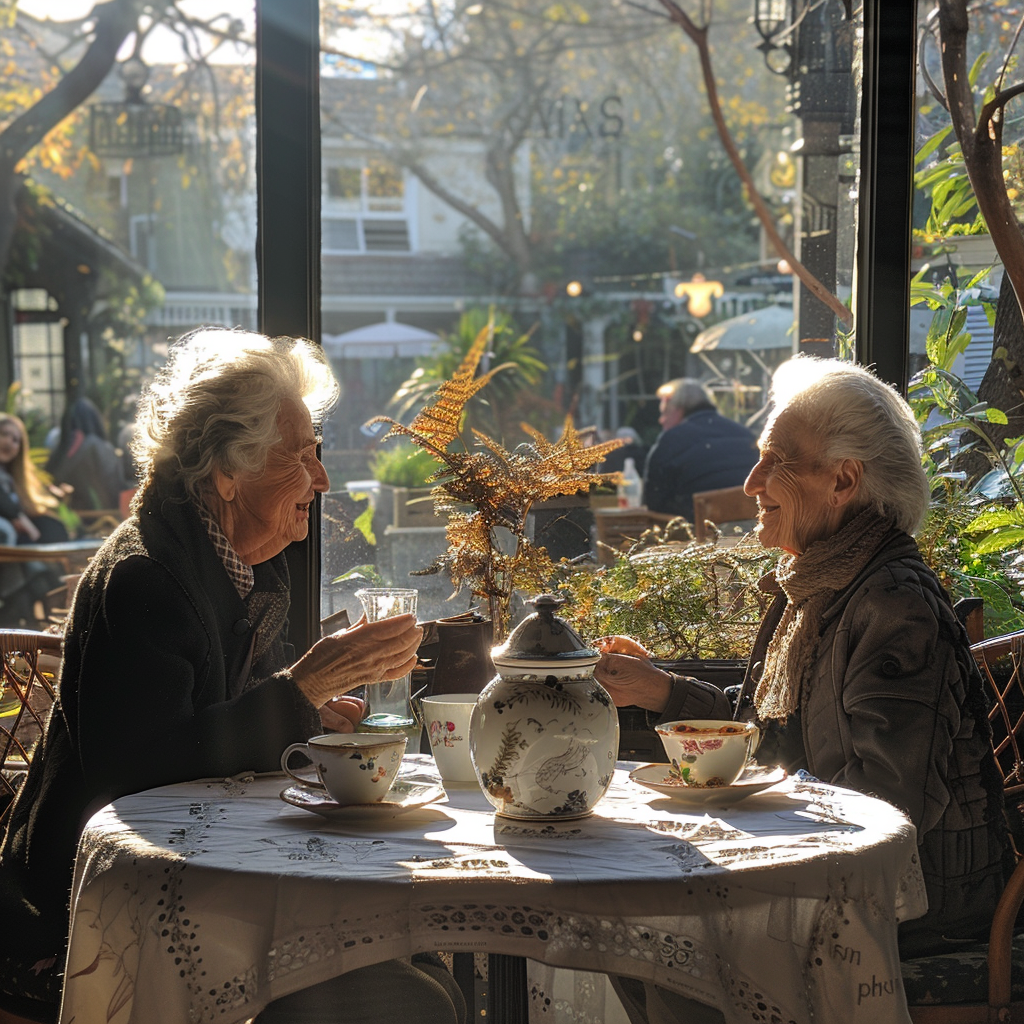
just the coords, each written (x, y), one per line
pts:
(289, 192)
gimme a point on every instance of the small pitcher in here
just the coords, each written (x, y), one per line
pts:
(463, 662)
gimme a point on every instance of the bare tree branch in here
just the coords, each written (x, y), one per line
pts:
(981, 140)
(699, 36)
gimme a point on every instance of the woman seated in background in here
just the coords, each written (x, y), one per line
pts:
(25, 501)
(26, 507)
(176, 665)
(861, 673)
(85, 462)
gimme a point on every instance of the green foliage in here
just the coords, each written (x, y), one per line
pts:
(403, 465)
(954, 209)
(971, 542)
(121, 322)
(496, 412)
(694, 602)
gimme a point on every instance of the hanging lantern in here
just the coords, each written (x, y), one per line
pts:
(773, 20)
(135, 128)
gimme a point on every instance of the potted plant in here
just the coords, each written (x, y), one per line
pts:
(404, 498)
(695, 607)
(485, 492)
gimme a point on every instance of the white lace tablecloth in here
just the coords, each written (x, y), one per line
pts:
(203, 901)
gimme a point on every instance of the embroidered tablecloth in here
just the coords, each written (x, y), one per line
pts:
(204, 901)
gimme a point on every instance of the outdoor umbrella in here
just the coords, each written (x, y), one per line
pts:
(755, 331)
(380, 341)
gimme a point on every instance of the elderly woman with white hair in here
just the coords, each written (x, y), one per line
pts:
(176, 665)
(861, 673)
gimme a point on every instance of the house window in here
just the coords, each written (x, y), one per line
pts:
(38, 352)
(365, 209)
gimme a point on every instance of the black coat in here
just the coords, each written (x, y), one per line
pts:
(703, 453)
(162, 682)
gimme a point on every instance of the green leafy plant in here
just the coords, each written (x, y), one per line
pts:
(403, 465)
(971, 541)
(697, 601)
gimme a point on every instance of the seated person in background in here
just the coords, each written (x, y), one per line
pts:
(85, 461)
(25, 518)
(698, 449)
(632, 449)
(176, 665)
(861, 673)
(26, 501)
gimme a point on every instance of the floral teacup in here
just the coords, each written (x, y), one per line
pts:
(707, 752)
(354, 768)
(446, 718)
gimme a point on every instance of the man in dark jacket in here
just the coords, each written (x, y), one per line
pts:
(698, 449)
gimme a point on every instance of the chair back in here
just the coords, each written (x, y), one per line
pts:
(1001, 660)
(725, 505)
(619, 528)
(29, 669)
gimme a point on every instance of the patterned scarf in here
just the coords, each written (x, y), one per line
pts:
(811, 582)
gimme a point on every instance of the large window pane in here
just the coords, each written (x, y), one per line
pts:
(967, 340)
(562, 166)
(136, 213)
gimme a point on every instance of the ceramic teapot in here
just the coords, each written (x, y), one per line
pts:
(544, 733)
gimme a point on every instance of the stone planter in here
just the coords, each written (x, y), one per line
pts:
(405, 506)
(561, 525)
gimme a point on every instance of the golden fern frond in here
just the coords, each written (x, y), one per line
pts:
(439, 421)
(570, 446)
(397, 429)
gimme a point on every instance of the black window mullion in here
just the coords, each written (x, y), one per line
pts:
(886, 189)
(288, 225)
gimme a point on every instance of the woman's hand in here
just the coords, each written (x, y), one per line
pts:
(342, 714)
(368, 652)
(25, 526)
(627, 673)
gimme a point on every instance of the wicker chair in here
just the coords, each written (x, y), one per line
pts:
(984, 983)
(29, 667)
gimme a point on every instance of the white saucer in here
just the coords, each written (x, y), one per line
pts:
(754, 779)
(402, 797)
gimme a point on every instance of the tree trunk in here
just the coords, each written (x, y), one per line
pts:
(1003, 384)
(114, 21)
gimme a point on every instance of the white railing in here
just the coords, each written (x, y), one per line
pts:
(190, 309)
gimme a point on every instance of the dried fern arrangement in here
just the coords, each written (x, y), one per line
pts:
(483, 488)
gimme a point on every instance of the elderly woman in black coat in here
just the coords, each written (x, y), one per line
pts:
(175, 663)
(860, 673)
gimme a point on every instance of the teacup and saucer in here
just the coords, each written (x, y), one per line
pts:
(355, 777)
(710, 762)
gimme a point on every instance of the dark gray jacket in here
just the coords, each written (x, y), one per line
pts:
(159, 684)
(896, 708)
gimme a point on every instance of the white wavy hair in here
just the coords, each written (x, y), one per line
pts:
(214, 404)
(851, 414)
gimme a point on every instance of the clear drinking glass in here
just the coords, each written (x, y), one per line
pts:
(388, 707)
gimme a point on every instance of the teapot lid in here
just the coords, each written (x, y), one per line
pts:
(545, 641)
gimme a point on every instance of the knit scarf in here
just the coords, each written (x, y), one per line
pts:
(811, 582)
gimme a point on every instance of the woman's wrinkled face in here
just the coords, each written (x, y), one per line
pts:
(795, 494)
(269, 511)
(10, 442)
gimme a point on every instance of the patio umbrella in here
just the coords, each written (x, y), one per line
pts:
(380, 341)
(756, 331)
